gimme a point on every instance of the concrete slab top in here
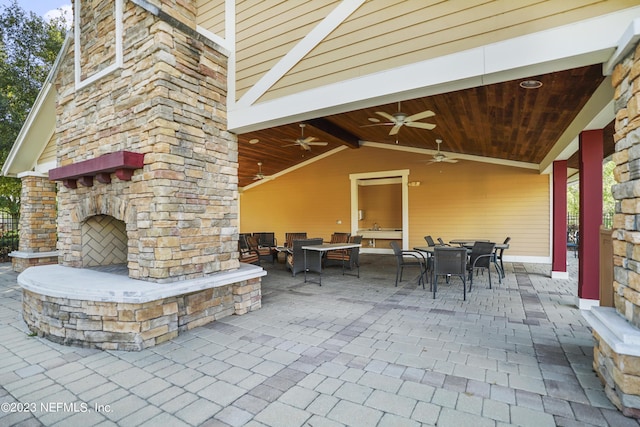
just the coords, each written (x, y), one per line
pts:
(85, 284)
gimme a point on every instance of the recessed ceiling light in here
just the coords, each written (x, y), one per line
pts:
(530, 84)
(374, 120)
(254, 141)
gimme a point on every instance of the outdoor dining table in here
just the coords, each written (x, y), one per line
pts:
(468, 244)
(326, 247)
(465, 242)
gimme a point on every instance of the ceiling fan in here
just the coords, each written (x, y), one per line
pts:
(439, 157)
(305, 143)
(259, 175)
(399, 119)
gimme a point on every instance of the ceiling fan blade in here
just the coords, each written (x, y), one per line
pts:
(320, 143)
(308, 139)
(394, 130)
(386, 116)
(420, 116)
(448, 160)
(420, 125)
(378, 124)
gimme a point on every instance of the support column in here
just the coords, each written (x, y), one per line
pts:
(591, 154)
(559, 245)
(38, 236)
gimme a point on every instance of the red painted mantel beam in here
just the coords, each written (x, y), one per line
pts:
(123, 163)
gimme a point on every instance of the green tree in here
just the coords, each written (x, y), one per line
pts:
(608, 202)
(28, 48)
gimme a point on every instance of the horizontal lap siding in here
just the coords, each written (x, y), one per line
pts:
(461, 200)
(379, 35)
(211, 15)
(49, 153)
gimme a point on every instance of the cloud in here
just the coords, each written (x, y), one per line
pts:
(64, 11)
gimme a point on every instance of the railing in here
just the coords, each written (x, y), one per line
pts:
(574, 220)
(9, 236)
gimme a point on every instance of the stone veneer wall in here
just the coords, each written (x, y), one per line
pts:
(133, 327)
(38, 230)
(620, 373)
(168, 101)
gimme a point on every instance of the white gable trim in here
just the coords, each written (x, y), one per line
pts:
(300, 50)
(582, 43)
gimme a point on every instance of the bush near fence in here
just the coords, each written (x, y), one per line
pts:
(9, 236)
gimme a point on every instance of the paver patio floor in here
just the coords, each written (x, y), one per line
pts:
(356, 352)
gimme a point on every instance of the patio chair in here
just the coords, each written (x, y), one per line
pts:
(247, 255)
(441, 242)
(429, 241)
(449, 261)
(264, 252)
(295, 259)
(347, 257)
(290, 237)
(339, 237)
(572, 242)
(498, 255)
(266, 239)
(481, 258)
(242, 240)
(405, 258)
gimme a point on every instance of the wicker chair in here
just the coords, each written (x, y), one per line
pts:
(295, 259)
(345, 257)
(339, 237)
(290, 237)
(449, 261)
(246, 254)
(263, 252)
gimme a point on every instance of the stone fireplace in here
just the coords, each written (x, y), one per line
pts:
(147, 178)
(617, 330)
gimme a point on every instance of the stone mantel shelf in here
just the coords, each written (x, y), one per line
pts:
(123, 163)
(90, 285)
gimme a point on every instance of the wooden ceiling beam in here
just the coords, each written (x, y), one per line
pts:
(336, 131)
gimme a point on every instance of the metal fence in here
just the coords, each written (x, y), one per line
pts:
(573, 220)
(9, 236)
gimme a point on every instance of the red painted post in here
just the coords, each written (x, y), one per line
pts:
(559, 245)
(591, 153)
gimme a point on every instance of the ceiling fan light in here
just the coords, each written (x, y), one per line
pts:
(530, 84)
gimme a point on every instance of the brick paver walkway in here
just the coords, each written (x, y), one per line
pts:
(356, 352)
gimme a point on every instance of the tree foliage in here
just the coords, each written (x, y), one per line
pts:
(608, 202)
(28, 48)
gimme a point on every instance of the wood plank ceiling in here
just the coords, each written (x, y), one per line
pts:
(501, 121)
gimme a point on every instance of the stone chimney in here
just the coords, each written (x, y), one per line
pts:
(139, 82)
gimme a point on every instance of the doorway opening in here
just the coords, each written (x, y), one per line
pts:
(375, 230)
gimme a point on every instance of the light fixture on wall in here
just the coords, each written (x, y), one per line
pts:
(414, 184)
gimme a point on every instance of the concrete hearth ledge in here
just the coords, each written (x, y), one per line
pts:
(89, 285)
(615, 330)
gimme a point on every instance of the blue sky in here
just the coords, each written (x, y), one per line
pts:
(40, 7)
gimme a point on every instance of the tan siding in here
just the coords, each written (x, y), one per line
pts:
(268, 31)
(211, 15)
(378, 37)
(462, 200)
(49, 153)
